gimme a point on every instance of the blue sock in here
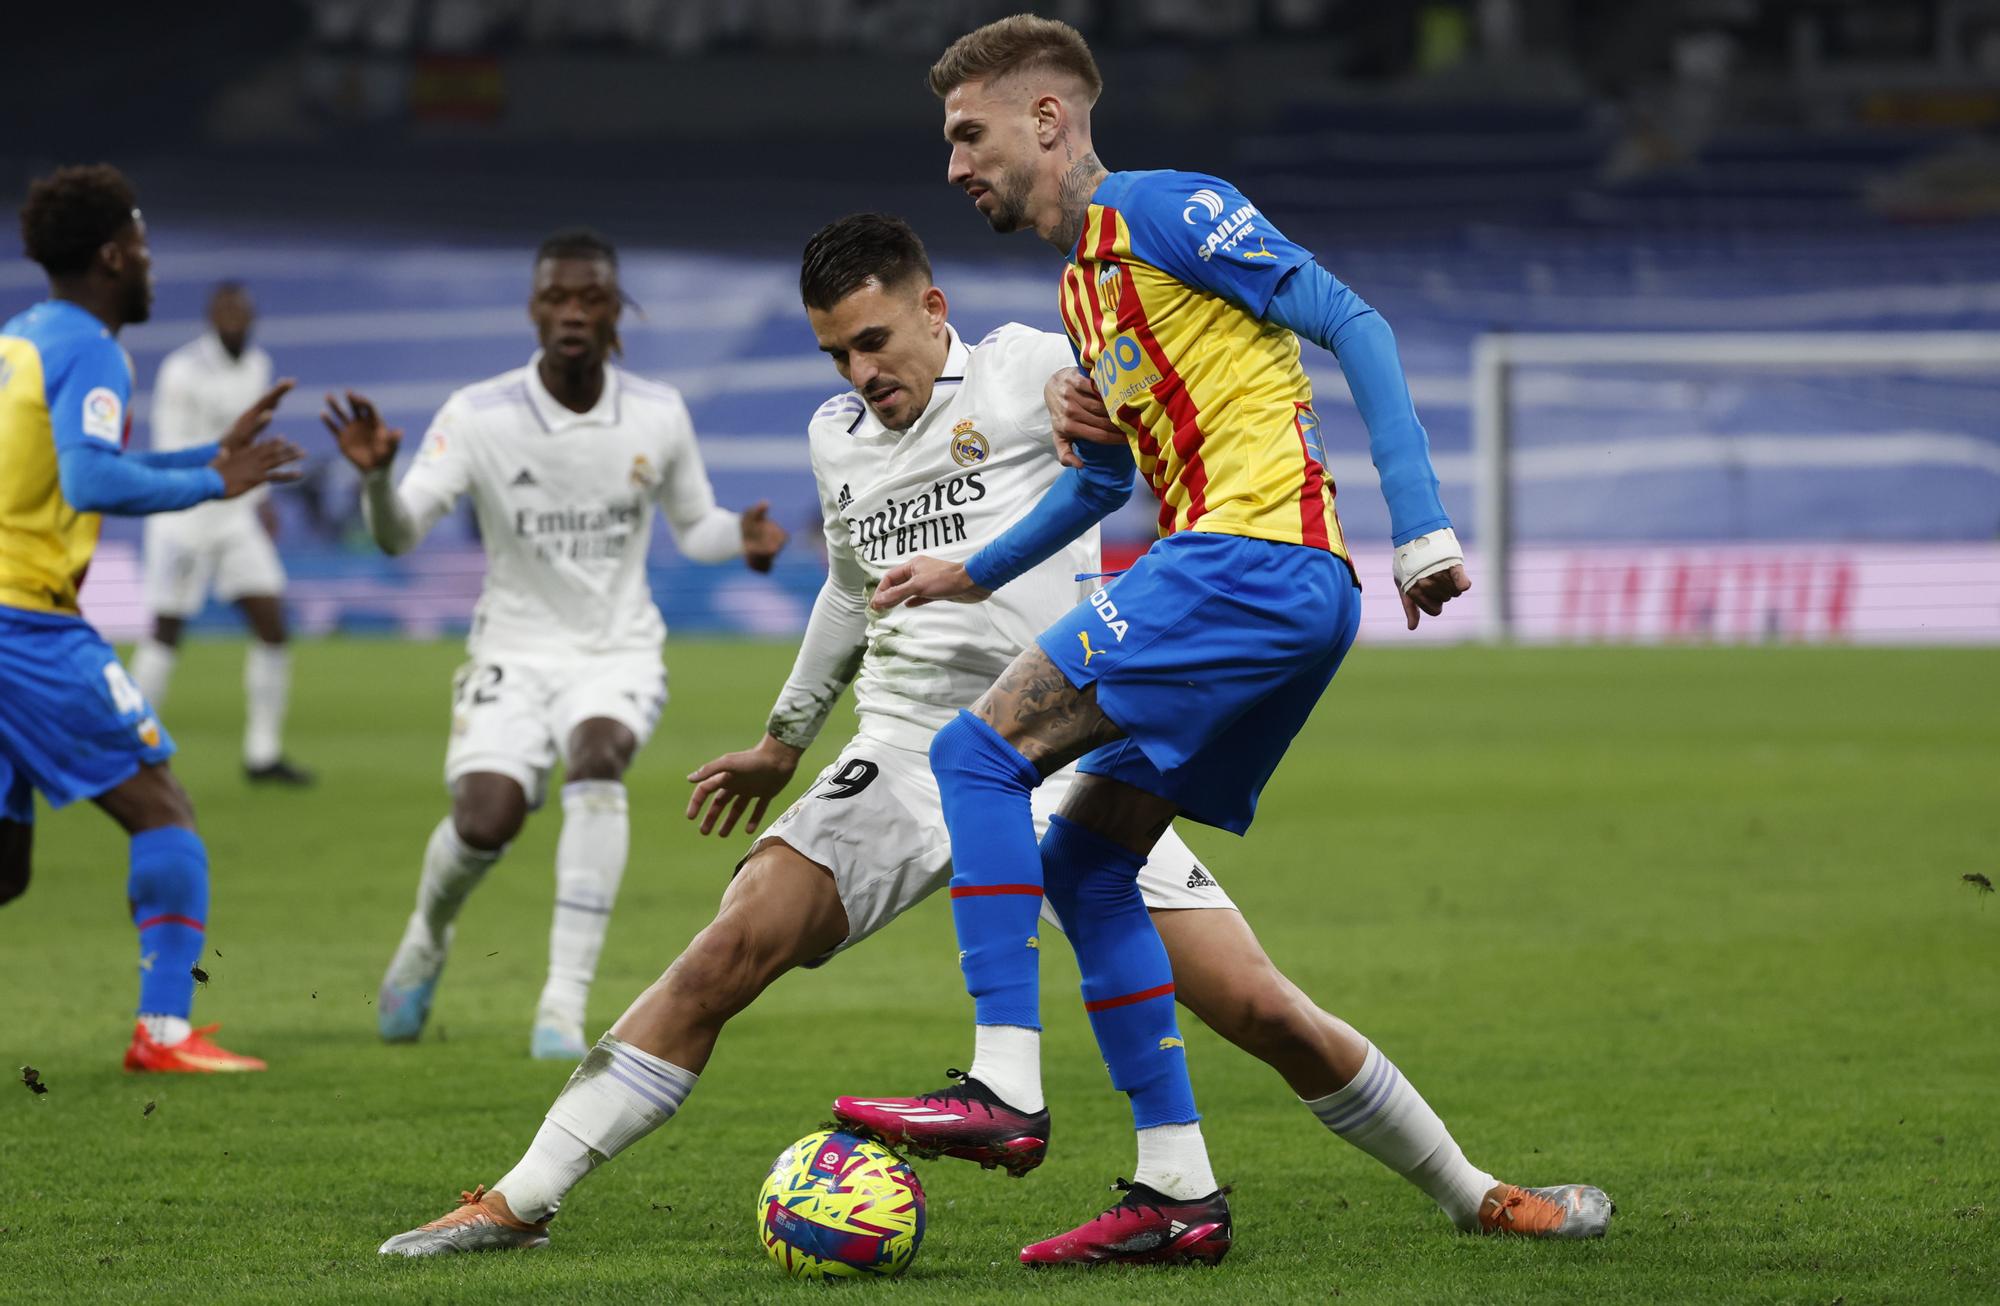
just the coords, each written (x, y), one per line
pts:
(996, 878)
(168, 889)
(1128, 983)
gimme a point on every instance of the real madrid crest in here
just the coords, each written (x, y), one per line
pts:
(968, 447)
(642, 472)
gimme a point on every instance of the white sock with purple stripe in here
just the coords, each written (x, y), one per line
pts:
(590, 864)
(1380, 1113)
(616, 1097)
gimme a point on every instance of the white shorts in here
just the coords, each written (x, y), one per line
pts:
(186, 559)
(513, 716)
(873, 818)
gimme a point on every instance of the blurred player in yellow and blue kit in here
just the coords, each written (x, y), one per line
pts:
(72, 723)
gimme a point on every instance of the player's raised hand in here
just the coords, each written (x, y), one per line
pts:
(924, 580)
(244, 467)
(364, 439)
(257, 416)
(736, 781)
(1077, 412)
(763, 539)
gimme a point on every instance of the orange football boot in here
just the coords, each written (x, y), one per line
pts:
(483, 1222)
(193, 1055)
(1561, 1211)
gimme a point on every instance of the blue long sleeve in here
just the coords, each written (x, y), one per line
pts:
(1316, 305)
(1080, 498)
(200, 455)
(97, 478)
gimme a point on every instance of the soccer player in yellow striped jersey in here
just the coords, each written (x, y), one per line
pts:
(73, 725)
(1177, 686)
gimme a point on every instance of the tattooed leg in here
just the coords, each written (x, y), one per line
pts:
(1048, 720)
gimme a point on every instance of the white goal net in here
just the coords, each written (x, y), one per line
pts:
(1738, 486)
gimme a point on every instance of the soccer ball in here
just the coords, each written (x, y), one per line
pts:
(837, 1206)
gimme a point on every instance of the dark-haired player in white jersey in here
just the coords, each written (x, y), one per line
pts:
(940, 445)
(565, 460)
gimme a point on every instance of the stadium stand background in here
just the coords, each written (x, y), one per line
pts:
(379, 172)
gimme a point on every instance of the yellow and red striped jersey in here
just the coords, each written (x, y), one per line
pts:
(1164, 298)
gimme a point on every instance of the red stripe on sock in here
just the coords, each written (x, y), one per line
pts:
(994, 890)
(1143, 995)
(169, 920)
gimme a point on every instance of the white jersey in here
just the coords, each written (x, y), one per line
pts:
(565, 507)
(198, 394)
(978, 460)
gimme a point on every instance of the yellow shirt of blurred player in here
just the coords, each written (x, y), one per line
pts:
(63, 379)
(1164, 300)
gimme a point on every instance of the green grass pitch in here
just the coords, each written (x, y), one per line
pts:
(1689, 924)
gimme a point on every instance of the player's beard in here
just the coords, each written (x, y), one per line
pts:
(138, 305)
(1010, 202)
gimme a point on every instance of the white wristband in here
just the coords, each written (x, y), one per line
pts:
(1426, 556)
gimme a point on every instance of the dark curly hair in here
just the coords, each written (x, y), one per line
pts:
(74, 211)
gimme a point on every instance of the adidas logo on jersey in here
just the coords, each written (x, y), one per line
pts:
(846, 497)
(1199, 879)
(525, 477)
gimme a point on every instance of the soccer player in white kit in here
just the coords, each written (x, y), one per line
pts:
(224, 545)
(941, 445)
(564, 460)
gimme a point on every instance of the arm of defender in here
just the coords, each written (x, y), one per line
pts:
(829, 658)
(702, 530)
(398, 517)
(87, 405)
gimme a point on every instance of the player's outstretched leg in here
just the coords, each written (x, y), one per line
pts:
(779, 912)
(994, 1115)
(487, 810)
(167, 888)
(1223, 975)
(1173, 1211)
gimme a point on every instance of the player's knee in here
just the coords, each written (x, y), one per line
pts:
(596, 760)
(487, 826)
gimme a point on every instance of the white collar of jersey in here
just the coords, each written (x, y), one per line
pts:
(555, 417)
(217, 356)
(955, 360)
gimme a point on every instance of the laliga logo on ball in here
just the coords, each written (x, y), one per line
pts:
(839, 1206)
(1207, 201)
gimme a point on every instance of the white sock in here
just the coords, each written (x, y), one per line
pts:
(1380, 1113)
(267, 687)
(590, 863)
(1008, 1060)
(153, 670)
(166, 1030)
(452, 869)
(1174, 1161)
(616, 1097)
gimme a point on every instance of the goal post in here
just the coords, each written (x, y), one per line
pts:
(1498, 358)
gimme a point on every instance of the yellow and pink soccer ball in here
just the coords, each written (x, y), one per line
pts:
(839, 1206)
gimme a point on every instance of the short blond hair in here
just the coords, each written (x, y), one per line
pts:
(1018, 44)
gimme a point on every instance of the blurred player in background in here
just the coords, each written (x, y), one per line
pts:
(941, 443)
(225, 546)
(564, 460)
(72, 723)
(1179, 685)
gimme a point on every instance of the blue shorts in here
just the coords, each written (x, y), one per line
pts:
(72, 723)
(1209, 654)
